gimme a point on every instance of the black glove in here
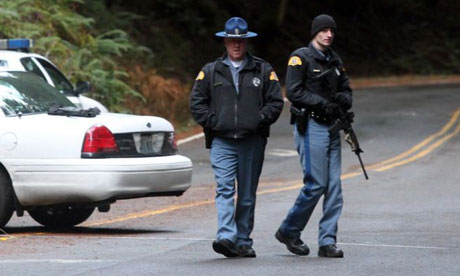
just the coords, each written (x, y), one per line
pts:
(331, 109)
(343, 100)
(263, 121)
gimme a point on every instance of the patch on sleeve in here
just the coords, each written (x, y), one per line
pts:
(273, 76)
(294, 61)
(200, 76)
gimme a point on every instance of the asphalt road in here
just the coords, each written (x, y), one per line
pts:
(405, 220)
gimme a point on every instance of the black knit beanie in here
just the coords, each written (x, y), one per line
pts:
(320, 22)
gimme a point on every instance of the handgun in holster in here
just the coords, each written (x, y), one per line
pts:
(208, 137)
(299, 117)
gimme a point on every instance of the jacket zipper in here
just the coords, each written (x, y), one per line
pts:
(235, 135)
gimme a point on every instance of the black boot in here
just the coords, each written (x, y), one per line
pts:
(330, 251)
(246, 251)
(295, 245)
(225, 247)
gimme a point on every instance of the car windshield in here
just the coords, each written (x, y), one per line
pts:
(24, 93)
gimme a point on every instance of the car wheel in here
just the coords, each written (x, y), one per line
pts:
(6, 199)
(60, 217)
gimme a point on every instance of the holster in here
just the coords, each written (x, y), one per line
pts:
(208, 137)
(300, 118)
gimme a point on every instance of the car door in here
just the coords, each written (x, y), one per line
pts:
(60, 82)
(30, 65)
(51, 75)
(47, 71)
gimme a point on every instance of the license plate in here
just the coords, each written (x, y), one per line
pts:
(148, 143)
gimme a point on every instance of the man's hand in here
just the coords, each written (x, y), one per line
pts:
(211, 122)
(263, 121)
(343, 100)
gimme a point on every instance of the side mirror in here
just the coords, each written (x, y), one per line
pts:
(82, 87)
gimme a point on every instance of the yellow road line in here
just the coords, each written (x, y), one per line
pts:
(397, 160)
(422, 153)
(149, 213)
(426, 141)
(9, 237)
(382, 166)
(194, 204)
(300, 184)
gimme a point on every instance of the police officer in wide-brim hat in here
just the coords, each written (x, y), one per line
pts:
(235, 34)
(236, 98)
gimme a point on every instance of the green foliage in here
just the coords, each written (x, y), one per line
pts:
(89, 40)
(68, 38)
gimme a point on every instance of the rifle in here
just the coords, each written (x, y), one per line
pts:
(344, 123)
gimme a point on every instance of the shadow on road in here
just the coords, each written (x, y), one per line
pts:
(83, 230)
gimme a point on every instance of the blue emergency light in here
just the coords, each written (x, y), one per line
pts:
(19, 44)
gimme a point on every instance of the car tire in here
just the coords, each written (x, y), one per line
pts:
(6, 199)
(60, 217)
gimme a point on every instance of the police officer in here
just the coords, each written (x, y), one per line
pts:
(236, 98)
(318, 87)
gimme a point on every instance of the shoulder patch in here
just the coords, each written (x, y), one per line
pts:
(294, 61)
(273, 76)
(200, 76)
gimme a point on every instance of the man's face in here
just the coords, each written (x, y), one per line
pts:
(236, 48)
(325, 37)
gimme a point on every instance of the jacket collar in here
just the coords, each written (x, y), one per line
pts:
(316, 54)
(221, 66)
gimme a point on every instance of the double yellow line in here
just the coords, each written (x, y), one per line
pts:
(416, 152)
(448, 131)
(451, 129)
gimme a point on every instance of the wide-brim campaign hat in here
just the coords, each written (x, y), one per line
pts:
(236, 27)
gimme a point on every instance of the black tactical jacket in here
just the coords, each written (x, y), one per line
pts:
(216, 105)
(312, 80)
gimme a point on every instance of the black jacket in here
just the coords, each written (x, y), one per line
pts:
(215, 104)
(312, 80)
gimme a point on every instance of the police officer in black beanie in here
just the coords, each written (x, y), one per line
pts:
(322, 21)
(318, 88)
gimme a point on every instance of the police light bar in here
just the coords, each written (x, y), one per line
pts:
(16, 44)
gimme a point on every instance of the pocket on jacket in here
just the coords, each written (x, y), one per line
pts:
(248, 109)
(225, 109)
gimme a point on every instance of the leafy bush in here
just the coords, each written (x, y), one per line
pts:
(165, 97)
(67, 38)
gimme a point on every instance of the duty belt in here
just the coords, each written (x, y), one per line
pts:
(321, 118)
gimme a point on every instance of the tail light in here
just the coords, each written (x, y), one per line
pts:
(99, 142)
(173, 141)
(170, 145)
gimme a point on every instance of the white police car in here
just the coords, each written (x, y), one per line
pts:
(59, 162)
(15, 56)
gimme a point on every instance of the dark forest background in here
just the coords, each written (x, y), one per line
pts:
(380, 37)
(142, 56)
